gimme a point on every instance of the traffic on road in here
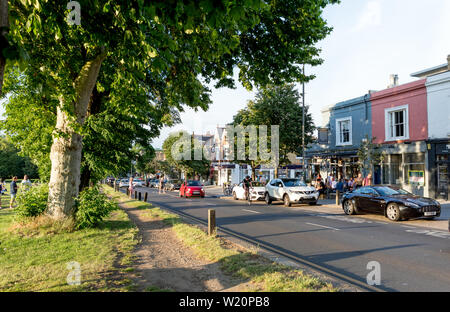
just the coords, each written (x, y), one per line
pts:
(327, 237)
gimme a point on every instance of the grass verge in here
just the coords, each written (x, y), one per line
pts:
(262, 274)
(35, 257)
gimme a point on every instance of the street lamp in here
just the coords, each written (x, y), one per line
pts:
(303, 126)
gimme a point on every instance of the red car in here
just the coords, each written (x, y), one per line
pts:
(192, 188)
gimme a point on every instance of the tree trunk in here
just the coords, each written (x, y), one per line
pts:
(4, 29)
(65, 153)
(253, 166)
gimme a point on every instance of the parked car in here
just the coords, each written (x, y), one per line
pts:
(394, 204)
(124, 183)
(138, 183)
(290, 191)
(172, 185)
(192, 188)
(153, 183)
(256, 193)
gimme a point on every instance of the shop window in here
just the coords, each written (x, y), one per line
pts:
(414, 169)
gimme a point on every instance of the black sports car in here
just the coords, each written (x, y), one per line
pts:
(394, 204)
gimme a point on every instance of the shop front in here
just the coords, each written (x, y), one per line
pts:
(340, 165)
(405, 166)
(439, 168)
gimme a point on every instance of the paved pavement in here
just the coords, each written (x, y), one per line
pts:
(411, 257)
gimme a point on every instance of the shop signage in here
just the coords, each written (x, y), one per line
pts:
(416, 177)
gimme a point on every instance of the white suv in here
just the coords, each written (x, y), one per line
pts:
(290, 191)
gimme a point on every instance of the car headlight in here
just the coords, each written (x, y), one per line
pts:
(412, 205)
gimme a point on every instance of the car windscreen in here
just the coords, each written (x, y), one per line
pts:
(387, 191)
(258, 184)
(194, 183)
(292, 182)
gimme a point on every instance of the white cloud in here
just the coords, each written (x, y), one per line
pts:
(371, 16)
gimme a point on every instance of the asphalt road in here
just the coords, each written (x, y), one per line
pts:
(411, 258)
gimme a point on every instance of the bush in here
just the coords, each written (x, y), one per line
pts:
(32, 202)
(92, 208)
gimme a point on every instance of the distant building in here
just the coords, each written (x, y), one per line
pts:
(346, 124)
(411, 121)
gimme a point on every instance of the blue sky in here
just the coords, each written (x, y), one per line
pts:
(371, 40)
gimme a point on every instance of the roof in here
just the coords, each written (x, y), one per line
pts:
(431, 71)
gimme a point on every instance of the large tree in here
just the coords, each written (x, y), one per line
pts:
(277, 105)
(186, 153)
(161, 52)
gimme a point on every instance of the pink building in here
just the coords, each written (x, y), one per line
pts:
(399, 113)
(400, 124)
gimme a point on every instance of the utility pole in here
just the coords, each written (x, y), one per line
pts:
(303, 128)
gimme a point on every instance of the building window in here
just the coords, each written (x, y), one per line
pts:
(344, 131)
(414, 169)
(397, 123)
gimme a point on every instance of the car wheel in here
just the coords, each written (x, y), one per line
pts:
(393, 212)
(235, 196)
(349, 207)
(267, 199)
(286, 200)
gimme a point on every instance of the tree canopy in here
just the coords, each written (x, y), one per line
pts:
(277, 105)
(131, 66)
(184, 152)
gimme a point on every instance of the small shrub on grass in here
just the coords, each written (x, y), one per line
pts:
(32, 202)
(92, 208)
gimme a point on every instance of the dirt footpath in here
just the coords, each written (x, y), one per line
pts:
(164, 262)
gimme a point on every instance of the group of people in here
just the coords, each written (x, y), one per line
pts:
(13, 189)
(341, 185)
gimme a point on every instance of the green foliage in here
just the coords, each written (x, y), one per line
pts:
(12, 163)
(162, 166)
(159, 58)
(278, 105)
(92, 208)
(191, 148)
(143, 157)
(32, 202)
(369, 154)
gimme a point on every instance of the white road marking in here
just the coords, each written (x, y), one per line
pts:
(434, 233)
(408, 227)
(251, 211)
(327, 227)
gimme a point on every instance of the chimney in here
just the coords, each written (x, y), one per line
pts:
(393, 79)
(448, 61)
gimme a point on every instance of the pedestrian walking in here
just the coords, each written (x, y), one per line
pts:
(161, 185)
(340, 186)
(131, 187)
(13, 191)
